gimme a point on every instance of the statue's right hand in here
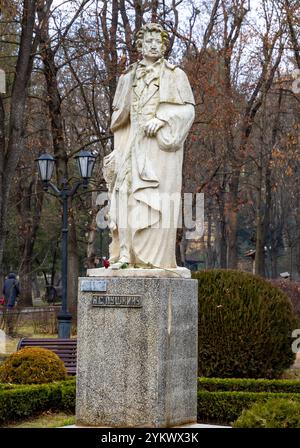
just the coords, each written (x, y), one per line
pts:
(152, 126)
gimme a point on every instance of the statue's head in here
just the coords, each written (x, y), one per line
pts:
(152, 41)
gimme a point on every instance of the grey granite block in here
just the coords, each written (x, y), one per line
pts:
(137, 366)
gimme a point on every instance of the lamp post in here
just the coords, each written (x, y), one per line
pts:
(85, 161)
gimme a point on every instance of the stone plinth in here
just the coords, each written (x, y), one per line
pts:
(140, 272)
(137, 352)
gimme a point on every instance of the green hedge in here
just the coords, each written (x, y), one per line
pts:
(225, 407)
(248, 385)
(219, 400)
(7, 386)
(20, 402)
(68, 397)
(275, 413)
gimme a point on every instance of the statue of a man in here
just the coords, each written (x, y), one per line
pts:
(153, 112)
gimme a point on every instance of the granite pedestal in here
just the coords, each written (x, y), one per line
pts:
(137, 352)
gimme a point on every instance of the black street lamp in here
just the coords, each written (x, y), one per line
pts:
(86, 162)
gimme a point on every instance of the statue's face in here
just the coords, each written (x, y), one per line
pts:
(153, 47)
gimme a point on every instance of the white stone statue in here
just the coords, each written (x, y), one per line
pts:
(153, 112)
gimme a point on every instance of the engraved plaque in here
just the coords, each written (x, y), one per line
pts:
(93, 285)
(117, 301)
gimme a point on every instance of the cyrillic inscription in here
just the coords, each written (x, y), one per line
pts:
(117, 301)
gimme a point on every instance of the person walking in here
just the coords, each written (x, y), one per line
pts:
(11, 290)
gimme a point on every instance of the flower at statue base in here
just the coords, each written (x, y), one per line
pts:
(105, 262)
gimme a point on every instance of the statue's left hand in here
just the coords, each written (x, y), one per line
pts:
(153, 126)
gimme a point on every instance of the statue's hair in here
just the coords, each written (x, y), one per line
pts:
(152, 28)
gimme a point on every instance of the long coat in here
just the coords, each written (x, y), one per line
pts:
(156, 163)
(11, 290)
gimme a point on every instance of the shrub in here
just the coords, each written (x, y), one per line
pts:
(245, 326)
(248, 385)
(291, 289)
(274, 413)
(226, 407)
(22, 401)
(32, 365)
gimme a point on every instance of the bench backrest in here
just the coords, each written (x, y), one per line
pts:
(66, 349)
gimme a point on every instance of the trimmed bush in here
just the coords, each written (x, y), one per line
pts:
(32, 365)
(20, 402)
(245, 326)
(275, 413)
(291, 289)
(226, 407)
(248, 385)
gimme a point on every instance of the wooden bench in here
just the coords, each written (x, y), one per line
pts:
(66, 349)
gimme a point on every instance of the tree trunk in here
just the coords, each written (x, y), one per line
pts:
(30, 209)
(92, 261)
(231, 221)
(54, 103)
(274, 265)
(210, 257)
(26, 282)
(2, 152)
(222, 230)
(297, 239)
(259, 264)
(10, 156)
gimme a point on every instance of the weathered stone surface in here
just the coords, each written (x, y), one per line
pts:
(140, 272)
(138, 366)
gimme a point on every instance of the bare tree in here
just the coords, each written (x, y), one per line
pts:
(12, 145)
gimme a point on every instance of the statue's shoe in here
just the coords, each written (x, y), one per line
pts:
(121, 264)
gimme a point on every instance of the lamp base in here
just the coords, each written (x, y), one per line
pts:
(64, 325)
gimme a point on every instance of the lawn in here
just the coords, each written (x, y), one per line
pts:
(46, 420)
